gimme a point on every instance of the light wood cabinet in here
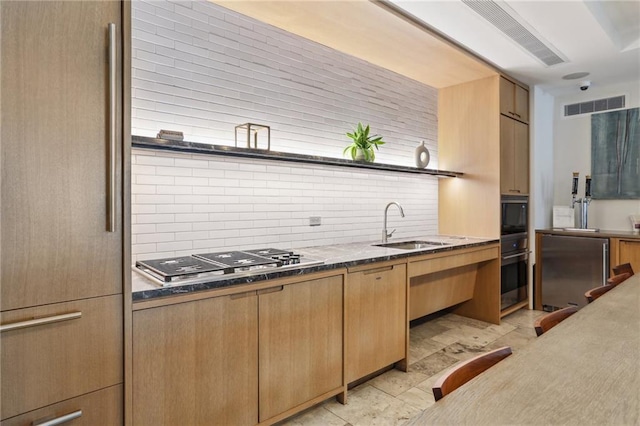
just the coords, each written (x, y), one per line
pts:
(239, 359)
(46, 363)
(376, 306)
(301, 343)
(625, 250)
(514, 100)
(55, 246)
(469, 141)
(629, 252)
(450, 278)
(102, 407)
(57, 254)
(514, 157)
(196, 363)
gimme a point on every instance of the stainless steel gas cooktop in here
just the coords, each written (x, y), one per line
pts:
(200, 268)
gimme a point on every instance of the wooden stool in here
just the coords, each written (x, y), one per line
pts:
(467, 370)
(625, 268)
(617, 279)
(547, 322)
(594, 293)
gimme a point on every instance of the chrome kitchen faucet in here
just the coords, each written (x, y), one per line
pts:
(384, 226)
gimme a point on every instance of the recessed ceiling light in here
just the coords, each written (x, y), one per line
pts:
(575, 75)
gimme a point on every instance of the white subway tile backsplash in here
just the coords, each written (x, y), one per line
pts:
(191, 217)
(174, 189)
(208, 208)
(208, 226)
(151, 38)
(155, 238)
(154, 218)
(184, 8)
(209, 245)
(146, 179)
(172, 246)
(144, 209)
(175, 208)
(208, 190)
(191, 199)
(144, 248)
(143, 229)
(203, 69)
(154, 160)
(174, 227)
(143, 189)
(153, 199)
(174, 171)
(193, 235)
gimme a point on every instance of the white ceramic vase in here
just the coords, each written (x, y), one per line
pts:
(422, 156)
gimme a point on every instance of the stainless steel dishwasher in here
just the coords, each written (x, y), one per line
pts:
(570, 267)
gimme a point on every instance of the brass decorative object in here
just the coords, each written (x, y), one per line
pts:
(252, 131)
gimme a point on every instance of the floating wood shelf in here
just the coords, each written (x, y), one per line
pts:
(202, 148)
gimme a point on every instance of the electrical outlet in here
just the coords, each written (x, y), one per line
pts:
(315, 221)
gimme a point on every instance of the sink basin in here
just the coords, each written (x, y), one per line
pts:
(413, 245)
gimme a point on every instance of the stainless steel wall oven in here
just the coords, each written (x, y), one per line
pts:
(514, 249)
(514, 215)
(514, 273)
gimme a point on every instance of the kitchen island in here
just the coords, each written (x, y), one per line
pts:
(295, 337)
(583, 371)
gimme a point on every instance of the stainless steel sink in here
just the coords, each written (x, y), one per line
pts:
(414, 245)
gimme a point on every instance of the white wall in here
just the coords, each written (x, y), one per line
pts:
(541, 176)
(201, 69)
(542, 160)
(572, 153)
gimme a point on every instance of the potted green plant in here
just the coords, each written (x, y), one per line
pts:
(362, 146)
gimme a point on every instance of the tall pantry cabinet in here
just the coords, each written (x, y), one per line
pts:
(61, 212)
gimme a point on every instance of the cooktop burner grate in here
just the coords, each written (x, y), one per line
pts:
(175, 268)
(239, 260)
(200, 268)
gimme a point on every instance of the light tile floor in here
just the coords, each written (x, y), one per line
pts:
(393, 398)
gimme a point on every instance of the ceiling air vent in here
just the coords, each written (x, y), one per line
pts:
(594, 106)
(514, 26)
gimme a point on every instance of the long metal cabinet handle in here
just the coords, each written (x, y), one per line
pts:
(113, 136)
(605, 263)
(39, 321)
(59, 420)
(516, 255)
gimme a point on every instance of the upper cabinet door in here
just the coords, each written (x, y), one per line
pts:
(55, 152)
(514, 157)
(514, 100)
(521, 100)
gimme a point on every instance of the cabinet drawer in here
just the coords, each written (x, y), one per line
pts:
(52, 361)
(103, 407)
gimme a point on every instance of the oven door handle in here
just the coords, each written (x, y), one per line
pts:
(524, 253)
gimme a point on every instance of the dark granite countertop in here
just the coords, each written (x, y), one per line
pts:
(334, 257)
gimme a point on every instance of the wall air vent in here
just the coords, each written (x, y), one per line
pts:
(513, 26)
(597, 105)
